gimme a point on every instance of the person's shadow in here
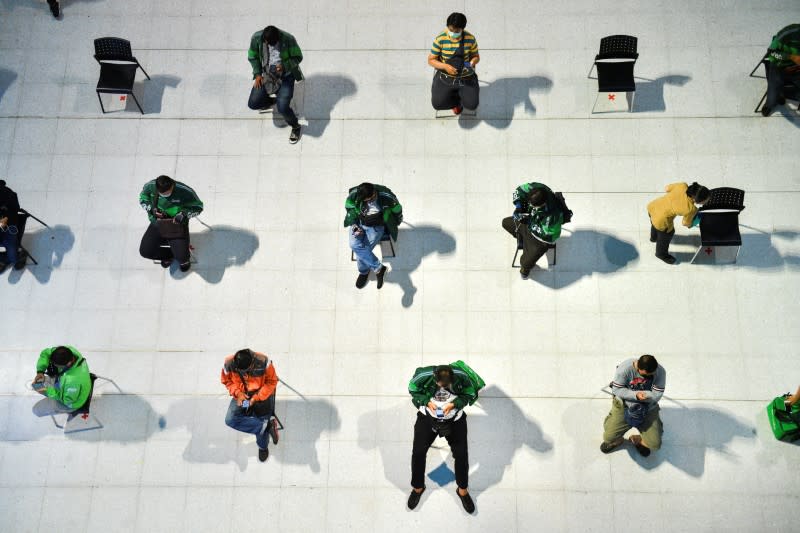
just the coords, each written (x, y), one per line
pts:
(7, 78)
(499, 99)
(413, 244)
(152, 92)
(650, 93)
(217, 248)
(48, 245)
(581, 253)
(319, 94)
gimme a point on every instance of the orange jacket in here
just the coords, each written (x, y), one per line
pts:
(675, 203)
(259, 382)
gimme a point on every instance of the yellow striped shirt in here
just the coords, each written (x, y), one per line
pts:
(444, 47)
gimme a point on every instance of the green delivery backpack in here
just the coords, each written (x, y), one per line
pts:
(785, 423)
(476, 380)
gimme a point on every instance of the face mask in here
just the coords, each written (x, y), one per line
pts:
(454, 34)
(162, 195)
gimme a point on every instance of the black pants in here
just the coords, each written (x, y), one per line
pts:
(424, 435)
(446, 95)
(532, 248)
(776, 79)
(150, 247)
(662, 240)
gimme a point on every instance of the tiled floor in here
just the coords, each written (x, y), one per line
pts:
(274, 270)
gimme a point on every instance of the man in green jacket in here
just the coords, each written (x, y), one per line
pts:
(440, 394)
(783, 66)
(62, 375)
(275, 58)
(536, 220)
(371, 211)
(169, 205)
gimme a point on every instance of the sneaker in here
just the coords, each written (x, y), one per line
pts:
(766, 111)
(361, 281)
(608, 447)
(524, 274)
(295, 135)
(272, 427)
(413, 498)
(380, 275)
(466, 501)
(186, 266)
(165, 263)
(457, 110)
(668, 259)
(262, 455)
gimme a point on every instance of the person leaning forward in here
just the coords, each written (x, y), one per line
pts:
(454, 55)
(440, 394)
(62, 375)
(637, 387)
(680, 200)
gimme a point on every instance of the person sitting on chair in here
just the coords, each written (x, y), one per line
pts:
(783, 66)
(169, 205)
(454, 55)
(536, 220)
(251, 381)
(9, 229)
(62, 375)
(371, 210)
(680, 200)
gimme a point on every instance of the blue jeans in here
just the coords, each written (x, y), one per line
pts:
(259, 99)
(362, 246)
(238, 419)
(10, 243)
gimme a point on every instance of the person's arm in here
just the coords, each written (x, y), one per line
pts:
(473, 55)
(293, 55)
(550, 225)
(146, 200)
(351, 211)
(235, 387)
(191, 205)
(466, 396)
(268, 386)
(417, 387)
(659, 384)
(254, 54)
(619, 387)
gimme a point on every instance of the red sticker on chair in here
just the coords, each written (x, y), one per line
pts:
(122, 98)
(611, 96)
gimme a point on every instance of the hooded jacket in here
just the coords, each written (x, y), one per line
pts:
(73, 386)
(392, 210)
(675, 203)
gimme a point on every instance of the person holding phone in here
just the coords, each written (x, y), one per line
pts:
(62, 375)
(454, 55)
(9, 230)
(783, 66)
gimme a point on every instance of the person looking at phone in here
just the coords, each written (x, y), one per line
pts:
(783, 66)
(9, 231)
(62, 375)
(454, 55)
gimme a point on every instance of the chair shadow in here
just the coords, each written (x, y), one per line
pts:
(499, 99)
(7, 78)
(125, 417)
(48, 246)
(217, 249)
(498, 428)
(413, 244)
(319, 94)
(650, 93)
(758, 249)
(212, 442)
(152, 92)
(582, 253)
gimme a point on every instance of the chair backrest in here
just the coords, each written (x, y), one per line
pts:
(618, 46)
(112, 48)
(725, 199)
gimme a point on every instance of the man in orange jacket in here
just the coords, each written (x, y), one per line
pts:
(251, 381)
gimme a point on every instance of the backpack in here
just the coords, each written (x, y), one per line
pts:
(474, 378)
(564, 209)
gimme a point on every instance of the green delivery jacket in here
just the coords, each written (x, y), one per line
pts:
(784, 43)
(423, 386)
(182, 200)
(72, 388)
(291, 55)
(392, 210)
(545, 224)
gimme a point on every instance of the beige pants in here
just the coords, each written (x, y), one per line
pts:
(614, 426)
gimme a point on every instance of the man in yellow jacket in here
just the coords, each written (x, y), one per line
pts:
(680, 200)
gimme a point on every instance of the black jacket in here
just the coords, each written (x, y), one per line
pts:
(9, 205)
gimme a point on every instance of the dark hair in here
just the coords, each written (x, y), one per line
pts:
(457, 20)
(444, 375)
(270, 35)
(537, 197)
(698, 193)
(365, 190)
(164, 183)
(61, 356)
(243, 359)
(647, 363)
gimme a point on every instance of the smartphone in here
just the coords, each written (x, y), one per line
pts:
(439, 412)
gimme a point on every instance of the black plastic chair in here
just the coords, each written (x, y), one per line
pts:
(117, 68)
(615, 62)
(719, 222)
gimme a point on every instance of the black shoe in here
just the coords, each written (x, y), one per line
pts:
(466, 501)
(262, 455)
(361, 281)
(165, 263)
(413, 498)
(186, 266)
(668, 259)
(272, 427)
(766, 111)
(54, 9)
(643, 450)
(524, 274)
(380, 275)
(295, 135)
(608, 447)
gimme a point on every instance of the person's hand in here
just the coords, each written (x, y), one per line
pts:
(241, 397)
(258, 81)
(450, 69)
(3, 222)
(447, 408)
(39, 377)
(357, 230)
(432, 406)
(159, 213)
(179, 218)
(641, 396)
(279, 69)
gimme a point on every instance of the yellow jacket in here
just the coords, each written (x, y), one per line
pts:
(675, 203)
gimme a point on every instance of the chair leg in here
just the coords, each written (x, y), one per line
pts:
(633, 97)
(596, 98)
(137, 103)
(696, 254)
(758, 107)
(589, 76)
(280, 424)
(101, 103)
(143, 70)
(758, 65)
(514, 261)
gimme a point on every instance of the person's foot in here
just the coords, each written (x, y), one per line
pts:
(608, 447)
(457, 110)
(263, 454)
(361, 280)
(643, 450)
(186, 266)
(273, 430)
(668, 259)
(524, 274)
(781, 100)
(21, 262)
(379, 275)
(466, 501)
(413, 498)
(295, 135)
(165, 263)
(766, 111)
